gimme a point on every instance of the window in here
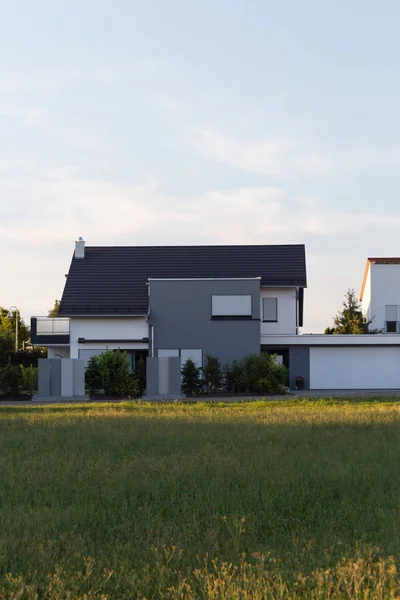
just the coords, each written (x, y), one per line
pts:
(231, 307)
(391, 312)
(270, 310)
(391, 327)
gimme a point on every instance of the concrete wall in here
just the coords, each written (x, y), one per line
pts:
(287, 311)
(180, 311)
(108, 328)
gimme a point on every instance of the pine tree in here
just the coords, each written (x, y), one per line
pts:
(350, 320)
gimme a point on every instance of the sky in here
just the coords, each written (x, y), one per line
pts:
(198, 122)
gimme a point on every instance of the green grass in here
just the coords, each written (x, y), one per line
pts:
(285, 499)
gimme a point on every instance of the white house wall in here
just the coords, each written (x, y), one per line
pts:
(366, 301)
(385, 290)
(108, 328)
(287, 311)
(58, 352)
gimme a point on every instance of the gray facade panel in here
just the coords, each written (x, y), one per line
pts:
(152, 377)
(299, 364)
(55, 378)
(181, 313)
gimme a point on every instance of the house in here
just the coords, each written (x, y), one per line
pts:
(176, 301)
(380, 294)
(227, 301)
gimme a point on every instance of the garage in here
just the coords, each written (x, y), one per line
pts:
(355, 367)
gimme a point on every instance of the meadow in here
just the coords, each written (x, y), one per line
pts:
(267, 499)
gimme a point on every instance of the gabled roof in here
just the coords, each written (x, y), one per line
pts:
(376, 261)
(112, 280)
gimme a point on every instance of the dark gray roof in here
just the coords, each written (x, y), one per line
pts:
(112, 280)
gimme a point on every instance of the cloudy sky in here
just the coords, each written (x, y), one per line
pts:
(198, 122)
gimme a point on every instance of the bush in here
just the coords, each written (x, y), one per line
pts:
(29, 378)
(191, 381)
(28, 357)
(235, 376)
(93, 376)
(213, 374)
(130, 387)
(140, 375)
(256, 373)
(108, 372)
(10, 378)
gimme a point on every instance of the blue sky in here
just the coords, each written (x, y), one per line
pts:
(176, 122)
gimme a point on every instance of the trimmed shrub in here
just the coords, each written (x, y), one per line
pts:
(191, 378)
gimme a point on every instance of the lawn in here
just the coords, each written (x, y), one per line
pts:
(287, 499)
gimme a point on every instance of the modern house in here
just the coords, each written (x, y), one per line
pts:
(176, 301)
(227, 301)
(380, 293)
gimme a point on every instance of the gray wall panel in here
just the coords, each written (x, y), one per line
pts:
(181, 314)
(299, 364)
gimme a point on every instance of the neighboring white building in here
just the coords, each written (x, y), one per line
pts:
(380, 294)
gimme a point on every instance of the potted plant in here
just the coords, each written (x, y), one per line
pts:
(300, 382)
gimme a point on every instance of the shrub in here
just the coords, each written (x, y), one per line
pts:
(93, 377)
(191, 381)
(140, 375)
(10, 378)
(29, 378)
(256, 373)
(235, 377)
(130, 387)
(213, 374)
(28, 357)
(109, 372)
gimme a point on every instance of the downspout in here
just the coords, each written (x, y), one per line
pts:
(297, 311)
(151, 337)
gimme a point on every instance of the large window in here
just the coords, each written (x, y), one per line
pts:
(231, 306)
(270, 310)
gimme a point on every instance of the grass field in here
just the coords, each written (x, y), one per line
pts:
(288, 499)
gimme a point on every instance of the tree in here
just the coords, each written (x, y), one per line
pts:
(8, 321)
(350, 320)
(54, 311)
(191, 381)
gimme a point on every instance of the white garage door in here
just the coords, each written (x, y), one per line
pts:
(354, 368)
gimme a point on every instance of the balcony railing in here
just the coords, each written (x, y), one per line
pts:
(47, 330)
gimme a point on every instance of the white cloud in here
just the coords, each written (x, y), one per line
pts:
(55, 207)
(277, 157)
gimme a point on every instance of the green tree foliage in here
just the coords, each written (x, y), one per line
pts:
(29, 378)
(140, 375)
(54, 311)
(7, 345)
(213, 374)
(191, 378)
(350, 320)
(109, 373)
(8, 322)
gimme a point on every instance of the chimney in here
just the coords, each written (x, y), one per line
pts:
(80, 248)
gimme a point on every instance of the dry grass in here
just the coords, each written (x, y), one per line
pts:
(288, 499)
